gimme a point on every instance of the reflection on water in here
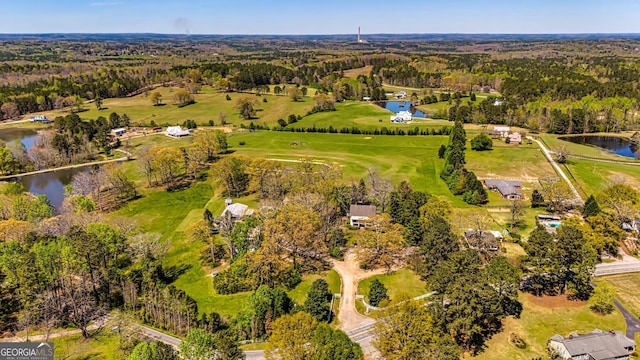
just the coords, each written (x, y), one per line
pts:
(50, 184)
(397, 106)
(617, 145)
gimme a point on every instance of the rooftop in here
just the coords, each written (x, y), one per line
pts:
(362, 210)
(505, 187)
(598, 344)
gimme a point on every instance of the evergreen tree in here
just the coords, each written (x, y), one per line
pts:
(377, 292)
(591, 207)
(536, 199)
(441, 151)
(317, 303)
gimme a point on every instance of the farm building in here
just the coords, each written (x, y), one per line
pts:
(176, 131)
(515, 138)
(118, 132)
(502, 131)
(402, 117)
(40, 118)
(237, 211)
(359, 215)
(597, 345)
(401, 95)
(508, 189)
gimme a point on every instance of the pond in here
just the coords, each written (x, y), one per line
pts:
(397, 106)
(50, 184)
(613, 144)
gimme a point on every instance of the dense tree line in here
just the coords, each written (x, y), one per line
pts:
(459, 180)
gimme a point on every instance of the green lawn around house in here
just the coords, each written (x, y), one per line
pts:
(540, 320)
(398, 283)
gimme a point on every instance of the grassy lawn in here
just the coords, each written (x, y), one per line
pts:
(400, 157)
(522, 161)
(592, 177)
(101, 347)
(626, 287)
(540, 320)
(209, 104)
(299, 293)
(364, 115)
(401, 282)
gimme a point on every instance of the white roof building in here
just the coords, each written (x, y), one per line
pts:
(176, 131)
(237, 210)
(118, 132)
(402, 116)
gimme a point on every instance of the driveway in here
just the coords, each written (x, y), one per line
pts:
(633, 324)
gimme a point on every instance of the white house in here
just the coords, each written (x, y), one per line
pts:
(118, 132)
(360, 215)
(237, 211)
(502, 131)
(366, 98)
(176, 131)
(401, 94)
(402, 117)
(40, 118)
(597, 345)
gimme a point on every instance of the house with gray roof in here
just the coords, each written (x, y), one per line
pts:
(597, 345)
(360, 215)
(237, 211)
(509, 189)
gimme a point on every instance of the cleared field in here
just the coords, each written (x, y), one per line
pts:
(208, 106)
(103, 346)
(299, 294)
(540, 320)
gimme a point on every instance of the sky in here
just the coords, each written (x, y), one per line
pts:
(320, 16)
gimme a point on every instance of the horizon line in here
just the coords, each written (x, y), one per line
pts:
(316, 34)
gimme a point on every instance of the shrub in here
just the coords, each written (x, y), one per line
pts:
(241, 143)
(228, 97)
(516, 341)
(481, 142)
(13, 188)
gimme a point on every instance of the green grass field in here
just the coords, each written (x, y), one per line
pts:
(592, 177)
(540, 320)
(101, 347)
(364, 115)
(401, 282)
(299, 294)
(626, 287)
(209, 104)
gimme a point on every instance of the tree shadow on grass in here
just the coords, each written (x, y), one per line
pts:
(172, 273)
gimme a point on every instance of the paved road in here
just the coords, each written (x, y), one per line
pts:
(633, 324)
(628, 264)
(558, 170)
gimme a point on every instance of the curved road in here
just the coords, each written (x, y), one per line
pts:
(633, 324)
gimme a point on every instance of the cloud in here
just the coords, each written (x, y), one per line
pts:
(106, 3)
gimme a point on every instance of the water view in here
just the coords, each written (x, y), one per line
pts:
(397, 106)
(613, 144)
(50, 184)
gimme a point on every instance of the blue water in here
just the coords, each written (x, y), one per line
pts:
(50, 184)
(617, 145)
(397, 106)
(554, 224)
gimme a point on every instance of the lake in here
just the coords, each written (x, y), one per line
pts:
(50, 184)
(397, 106)
(613, 144)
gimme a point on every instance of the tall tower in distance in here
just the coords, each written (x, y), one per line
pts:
(359, 40)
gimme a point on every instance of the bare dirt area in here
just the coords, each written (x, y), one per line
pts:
(553, 302)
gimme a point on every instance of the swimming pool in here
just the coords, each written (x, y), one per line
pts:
(553, 224)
